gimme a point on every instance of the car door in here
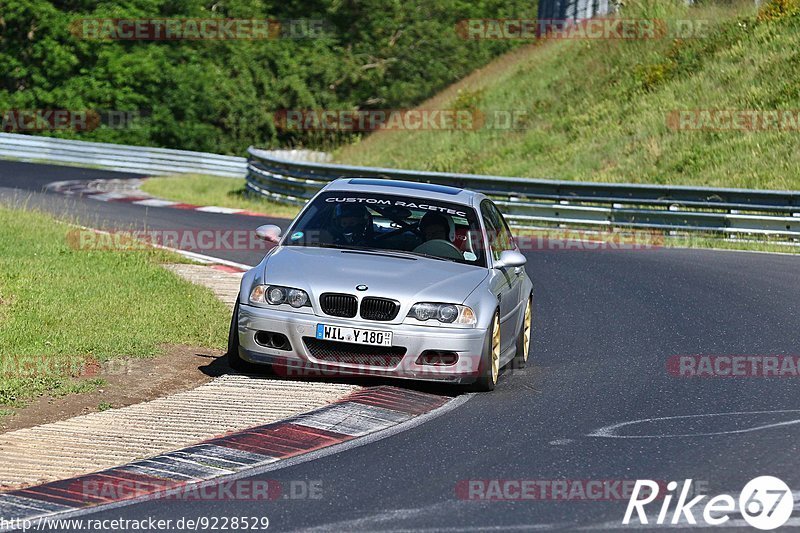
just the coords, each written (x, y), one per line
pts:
(505, 282)
(508, 243)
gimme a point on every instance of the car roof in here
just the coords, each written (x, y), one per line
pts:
(430, 191)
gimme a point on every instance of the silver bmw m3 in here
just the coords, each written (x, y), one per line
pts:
(387, 278)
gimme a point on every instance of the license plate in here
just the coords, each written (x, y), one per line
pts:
(354, 335)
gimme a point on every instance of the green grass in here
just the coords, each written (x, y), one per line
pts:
(597, 110)
(214, 190)
(61, 308)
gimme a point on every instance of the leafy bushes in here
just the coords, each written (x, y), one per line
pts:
(220, 96)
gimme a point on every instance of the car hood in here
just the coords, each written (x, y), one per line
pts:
(403, 278)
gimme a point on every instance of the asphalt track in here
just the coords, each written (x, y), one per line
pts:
(605, 324)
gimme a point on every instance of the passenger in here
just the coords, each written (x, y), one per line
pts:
(351, 225)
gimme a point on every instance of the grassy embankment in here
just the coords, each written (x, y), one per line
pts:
(63, 309)
(598, 110)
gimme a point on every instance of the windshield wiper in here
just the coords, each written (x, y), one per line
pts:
(420, 254)
(336, 246)
(386, 251)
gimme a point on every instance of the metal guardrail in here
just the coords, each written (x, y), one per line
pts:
(546, 203)
(294, 176)
(574, 9)
(120, 157)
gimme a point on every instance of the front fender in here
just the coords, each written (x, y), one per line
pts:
(484, 303)
(252, 277)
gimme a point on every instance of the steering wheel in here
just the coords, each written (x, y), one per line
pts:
(440, 248)
(408, 227)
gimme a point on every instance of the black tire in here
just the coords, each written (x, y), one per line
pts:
(487, 379)
(523, 344)
(235, 360)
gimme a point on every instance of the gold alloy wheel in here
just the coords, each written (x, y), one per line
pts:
(527, 332)
(496, 349)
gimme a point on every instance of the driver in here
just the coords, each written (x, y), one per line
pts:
(435, 229)
(352, 224)
(434, 226)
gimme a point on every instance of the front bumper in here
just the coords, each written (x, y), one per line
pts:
(299, 362)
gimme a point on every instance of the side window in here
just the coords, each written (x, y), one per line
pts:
(508, 237)
(491, 231)
(500, 238)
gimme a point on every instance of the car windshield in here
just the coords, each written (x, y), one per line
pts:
(390, 223)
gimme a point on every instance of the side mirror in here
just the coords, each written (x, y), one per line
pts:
(269, 232)
(511, 259)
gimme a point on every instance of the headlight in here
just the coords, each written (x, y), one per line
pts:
(297, 298)
(257, 294)
(445, 313)
(275, 295)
